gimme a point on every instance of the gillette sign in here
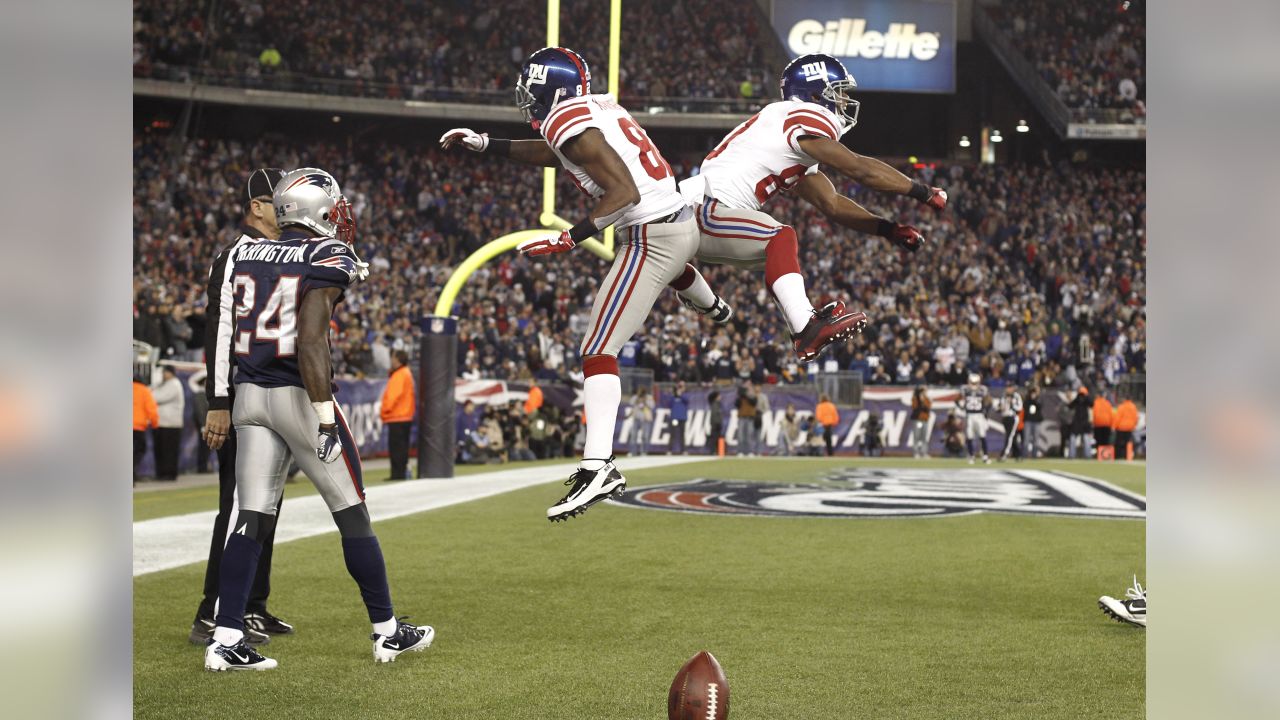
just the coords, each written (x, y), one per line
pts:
(893, 45)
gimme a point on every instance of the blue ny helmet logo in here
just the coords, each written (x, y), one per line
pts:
(537, 74)
(814, 70)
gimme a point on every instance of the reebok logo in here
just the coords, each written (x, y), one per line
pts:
(849, 37)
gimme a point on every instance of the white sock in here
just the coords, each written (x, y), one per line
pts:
(602, 394)
(700, 291)
(227, 636)
(789, 291)
(386, 627)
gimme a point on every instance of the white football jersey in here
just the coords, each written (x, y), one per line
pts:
(651, 173)
(762, 156)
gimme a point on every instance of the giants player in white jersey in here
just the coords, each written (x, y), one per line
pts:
(777, 149)
(612, 160)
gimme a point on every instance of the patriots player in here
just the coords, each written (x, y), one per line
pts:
(779, 149)
(974, 401)
(612, 159)
(285, 291)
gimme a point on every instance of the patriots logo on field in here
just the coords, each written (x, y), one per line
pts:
(814, 70)
(899, 493)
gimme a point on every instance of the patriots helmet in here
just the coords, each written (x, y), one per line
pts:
(310, 197)
(822, 79)
(550, 75)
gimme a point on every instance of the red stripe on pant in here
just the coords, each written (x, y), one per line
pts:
(635, 279)
(595, 328)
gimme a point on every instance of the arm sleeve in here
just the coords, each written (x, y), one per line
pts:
(218, 330)
(568, 121)
(812, 120)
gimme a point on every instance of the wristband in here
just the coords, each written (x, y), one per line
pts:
(919, 191)
(324, 411)
(885, 228)
(501, 148)
(583, 230)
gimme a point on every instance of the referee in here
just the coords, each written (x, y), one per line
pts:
(259, 224)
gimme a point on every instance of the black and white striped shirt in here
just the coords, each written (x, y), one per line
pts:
(220, 318)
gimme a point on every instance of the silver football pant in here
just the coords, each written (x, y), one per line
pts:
(274, 425)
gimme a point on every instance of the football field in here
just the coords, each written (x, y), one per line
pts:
(841, 588)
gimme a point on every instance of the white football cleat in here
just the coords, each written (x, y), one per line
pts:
(1132, 610)
(406, 638)
(219, 657)
(588, 488)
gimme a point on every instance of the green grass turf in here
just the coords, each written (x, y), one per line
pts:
(983, 616)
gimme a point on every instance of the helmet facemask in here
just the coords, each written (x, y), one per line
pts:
(344, 220)
(839, 93)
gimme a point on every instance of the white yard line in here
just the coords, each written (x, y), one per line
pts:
(170, 542)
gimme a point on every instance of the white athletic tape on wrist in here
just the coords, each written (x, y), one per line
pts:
(324, 411)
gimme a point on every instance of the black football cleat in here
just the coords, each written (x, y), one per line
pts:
(266, 623)
(219, 657)
(202, 633)
(828, 325)
(588, 488)
(720, 313)
(406, 638)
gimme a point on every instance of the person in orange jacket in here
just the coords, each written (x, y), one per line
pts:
(828, 417)
(145, 415)
(1125, 422)
(397, 414)
(534, 401)
(1102, 415)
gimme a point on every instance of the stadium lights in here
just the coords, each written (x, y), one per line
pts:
(996, 136)
(964, 141)
(1023, 127)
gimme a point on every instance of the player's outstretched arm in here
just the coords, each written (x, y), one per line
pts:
(870, 172)
(601, 163)
(817, 190)
(529, 152)
(315, 366)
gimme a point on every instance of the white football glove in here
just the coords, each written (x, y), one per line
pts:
(328, 445)
(472, 140)
(362, 271)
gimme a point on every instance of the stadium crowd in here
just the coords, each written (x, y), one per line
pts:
(1035, 274)
(1092, 56)
(446, 49)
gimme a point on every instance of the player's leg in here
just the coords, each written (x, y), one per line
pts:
(256, 616)
(341, 484)
(752, 239)
(261, 458)
(696, 294)
(650, 257)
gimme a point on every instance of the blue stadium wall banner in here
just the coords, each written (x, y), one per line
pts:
(892, 45)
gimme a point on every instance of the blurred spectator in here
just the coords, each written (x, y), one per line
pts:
(170, 404)
(790, 434)
(828, 417)
(953, 430)
(397, 412)
(199, 413)
(715, 418)
(679, 408)
(872, 442)
(1080, 422)
(748, 407)
(921, 411)
(535, 400)
(1103, 416)
(641, 420)
(1034, 415)
(1126, 421)
(145, 415)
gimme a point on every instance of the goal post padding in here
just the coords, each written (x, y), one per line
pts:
(438, 371)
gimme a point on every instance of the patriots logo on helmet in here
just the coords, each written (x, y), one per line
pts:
(324, 182)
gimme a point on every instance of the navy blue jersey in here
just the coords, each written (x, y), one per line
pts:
(270, 279)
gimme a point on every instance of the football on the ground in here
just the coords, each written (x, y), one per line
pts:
(700, 691)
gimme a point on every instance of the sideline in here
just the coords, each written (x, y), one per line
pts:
(170, 542)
